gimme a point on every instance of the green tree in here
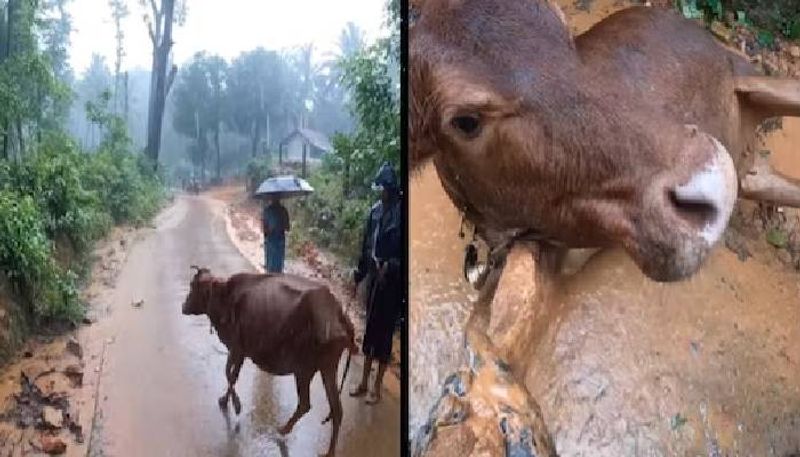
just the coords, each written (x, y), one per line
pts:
(119, 11)
(160, 20)
(257, 95)
(199, 105)
(372, 76)
(29, 90)
(96, 80)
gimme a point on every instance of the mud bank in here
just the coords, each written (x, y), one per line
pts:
(48, 390)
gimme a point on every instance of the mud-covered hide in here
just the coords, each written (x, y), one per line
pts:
(483, 411)
(282, 322)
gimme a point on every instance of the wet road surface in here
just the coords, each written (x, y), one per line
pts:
(164, 371)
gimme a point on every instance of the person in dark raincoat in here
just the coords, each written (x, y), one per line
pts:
(380, 264)
(275, 224)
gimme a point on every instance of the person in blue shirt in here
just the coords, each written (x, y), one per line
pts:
(380, 264)
(275, 224)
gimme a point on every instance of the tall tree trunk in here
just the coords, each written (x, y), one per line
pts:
(305, 152)
(6, 53)
(216, 144)
(256, 137)
(126, 99)
(20, 138)
(268, 133)
(203, 168)
(346, 177)
(160, 82)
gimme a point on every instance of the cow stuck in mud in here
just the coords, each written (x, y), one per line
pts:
(285, 324)
(638, 133)
(631, 134)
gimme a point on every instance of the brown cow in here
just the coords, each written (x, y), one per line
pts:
(620, 137)
(285, 324)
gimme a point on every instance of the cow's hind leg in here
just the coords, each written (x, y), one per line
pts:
(303, 383)
(329, 380)
(232, 368)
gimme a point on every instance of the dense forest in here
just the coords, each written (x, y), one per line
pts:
(83, 152)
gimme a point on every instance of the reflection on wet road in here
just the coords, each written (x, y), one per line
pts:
(164, 371)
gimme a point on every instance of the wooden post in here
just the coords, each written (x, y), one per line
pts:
(305, 149)
(126, 99)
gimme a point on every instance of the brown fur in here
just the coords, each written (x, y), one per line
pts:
(580, 139)
(285, 324)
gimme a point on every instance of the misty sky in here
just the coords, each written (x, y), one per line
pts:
(224, 27)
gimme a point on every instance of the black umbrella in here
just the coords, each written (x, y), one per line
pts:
(284, 187)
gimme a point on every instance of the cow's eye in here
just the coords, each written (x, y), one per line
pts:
(467, 124)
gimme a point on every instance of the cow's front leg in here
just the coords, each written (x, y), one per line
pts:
(303, 383)
(223, 400)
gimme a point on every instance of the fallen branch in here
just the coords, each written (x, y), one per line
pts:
(765, 184)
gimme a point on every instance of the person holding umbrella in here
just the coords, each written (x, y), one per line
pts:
(380, 263)
(275, 224)
(275, 218)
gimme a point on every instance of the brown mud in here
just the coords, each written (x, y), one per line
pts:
(61, 372)
(623, 365)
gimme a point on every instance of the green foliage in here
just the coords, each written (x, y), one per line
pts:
(371, 77)
(331, 221)
(258, 169)
(257, 86)
(778, 17)
(53, 175)
(334, 215)
(26, 256)
(23, 78)
(199, 96)
(128, 189)
(115, 132)
(56, 192)
(31, 93)
(777, 237)
(769, 18)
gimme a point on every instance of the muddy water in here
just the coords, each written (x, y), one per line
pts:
(439, 296)
(164, 371)
(628, 366)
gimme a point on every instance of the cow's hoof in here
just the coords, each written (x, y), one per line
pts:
(223, 403)
(374, 399)
(359, 392)
(237, 405)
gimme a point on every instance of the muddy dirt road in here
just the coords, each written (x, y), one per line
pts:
(164, 371)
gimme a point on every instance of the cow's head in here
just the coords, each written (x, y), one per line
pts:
(524, 138)
(197, 301)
